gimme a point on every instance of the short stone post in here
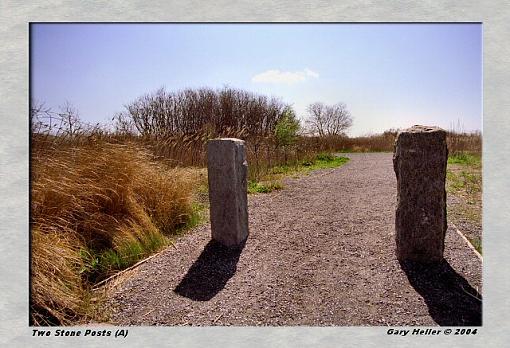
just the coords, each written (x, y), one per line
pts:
(227, 175)
(419, 161)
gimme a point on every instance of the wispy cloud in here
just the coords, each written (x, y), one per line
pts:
(288, 77)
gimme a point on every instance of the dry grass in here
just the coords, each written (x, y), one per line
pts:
(457, 142)
(97, 209)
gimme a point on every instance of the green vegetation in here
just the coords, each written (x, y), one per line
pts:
(272, 181)
(477, 244)
(99, 264)
(286, 129)
(464, 174)
(196, 217)
(325, 161)
(464, 181)
(321, 161)
(264, 187)
(465, 159)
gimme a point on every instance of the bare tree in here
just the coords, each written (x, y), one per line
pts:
(328, 119)
(70, 120)
(41, 117)
(123, 124)
(316, 118)
(64, 123)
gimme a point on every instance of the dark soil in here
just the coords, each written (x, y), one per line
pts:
(320, 252)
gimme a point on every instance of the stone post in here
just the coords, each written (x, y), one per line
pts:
(419, 161)
(227, 175)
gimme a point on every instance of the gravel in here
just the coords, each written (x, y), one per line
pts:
(320, 252)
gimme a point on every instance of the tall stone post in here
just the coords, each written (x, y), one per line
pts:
(419, 161)
(227, 174)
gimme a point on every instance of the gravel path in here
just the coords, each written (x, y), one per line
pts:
(320, 252)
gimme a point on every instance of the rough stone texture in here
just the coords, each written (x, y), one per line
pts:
(227, 172)
(419, 161)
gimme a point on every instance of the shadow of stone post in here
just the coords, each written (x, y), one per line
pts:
(210, 272)
(450, 299)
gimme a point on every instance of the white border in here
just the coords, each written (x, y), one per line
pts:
(15, 16)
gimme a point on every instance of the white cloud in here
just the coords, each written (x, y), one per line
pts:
(311, 73)
(277, 76)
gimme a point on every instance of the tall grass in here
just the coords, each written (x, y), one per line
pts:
(464, 143)
(97, 209)
(458, 143)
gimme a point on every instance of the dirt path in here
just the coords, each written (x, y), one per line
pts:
(320, 252)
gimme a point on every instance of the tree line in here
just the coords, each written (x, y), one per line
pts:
(162, 114)
(191, 111)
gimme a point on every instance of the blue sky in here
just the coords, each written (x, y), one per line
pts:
(388, 75)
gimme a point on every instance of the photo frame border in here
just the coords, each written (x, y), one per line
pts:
(14, 329)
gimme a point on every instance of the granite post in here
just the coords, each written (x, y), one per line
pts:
(227, 175)
(419, 160)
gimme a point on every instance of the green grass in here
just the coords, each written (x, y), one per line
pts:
(327, 161)
(477, 244)
(100, 264)
(465, 159)
(464, 173)
(198, 212)
(264, 187)
(272, 181)
(321, 161)
(463, 181)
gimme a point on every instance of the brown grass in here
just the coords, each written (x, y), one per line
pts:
(97, 209)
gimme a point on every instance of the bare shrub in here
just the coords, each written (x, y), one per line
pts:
(163, 114)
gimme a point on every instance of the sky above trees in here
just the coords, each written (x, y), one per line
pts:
(388, 75)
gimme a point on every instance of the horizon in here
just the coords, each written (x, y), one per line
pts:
(389, 75)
